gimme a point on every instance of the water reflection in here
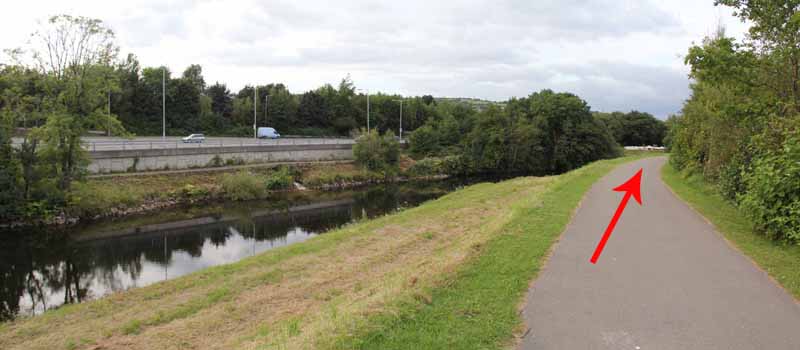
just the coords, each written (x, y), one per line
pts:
(43, 270)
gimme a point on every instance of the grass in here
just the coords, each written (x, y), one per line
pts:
(779, 260)
(447, 274)
(98, 196)
(243, 186)
(478, 307)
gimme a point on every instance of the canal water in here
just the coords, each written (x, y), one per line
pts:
(42, 270)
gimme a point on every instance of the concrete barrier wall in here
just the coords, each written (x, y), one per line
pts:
(184, 158)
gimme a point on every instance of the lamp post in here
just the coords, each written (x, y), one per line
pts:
(401, 118)
(266, 108)
(255, 111)
(163, 103)
(367, 91)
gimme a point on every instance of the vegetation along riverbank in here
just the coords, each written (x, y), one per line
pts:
(343, 286)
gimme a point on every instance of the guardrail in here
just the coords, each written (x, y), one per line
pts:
(149, 145)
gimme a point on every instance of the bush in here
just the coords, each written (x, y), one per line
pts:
(772, 197)
(215, 162)
(424, 141)
(85, 200)
(280, 179)
(243, 186)
(378, 152)
(234, 161)
(10, 179)
(426, 167)
(337, 179)
(190, 191)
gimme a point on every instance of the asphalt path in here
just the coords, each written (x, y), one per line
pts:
(666, 280)
(99, 143)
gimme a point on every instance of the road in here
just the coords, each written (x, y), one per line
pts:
(99, 143)
(666, 280)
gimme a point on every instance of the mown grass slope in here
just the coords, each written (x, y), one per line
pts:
(447, 274)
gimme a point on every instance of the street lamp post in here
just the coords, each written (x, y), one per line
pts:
(266, 108)
(255, 111)
(367, 91)
(163, 103)
(108, 111)
(401, 118)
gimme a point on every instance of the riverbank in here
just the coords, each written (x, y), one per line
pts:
(779, 260)
(120, 196)
(456, 265)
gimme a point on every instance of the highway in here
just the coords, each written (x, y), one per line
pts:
(100, 143)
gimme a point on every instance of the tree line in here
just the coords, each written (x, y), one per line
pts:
(544, 133)
(69, 81)
(194, 107)
(740, 129)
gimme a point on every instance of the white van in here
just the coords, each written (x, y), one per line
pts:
(268, 133)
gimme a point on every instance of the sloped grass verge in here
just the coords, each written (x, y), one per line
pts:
(478, 308)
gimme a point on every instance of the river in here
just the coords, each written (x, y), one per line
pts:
(44, 269)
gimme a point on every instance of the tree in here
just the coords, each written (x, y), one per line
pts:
(9, 169)
(183, 99)
(774, 32)
(634, 128)
(75, 54)
(378, 152)
(739, 127)
(194, 74)
(282, 109)
(344, 111)
(129, 103)
(566, 120)
(314, 109)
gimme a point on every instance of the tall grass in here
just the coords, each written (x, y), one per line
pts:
(243, 186)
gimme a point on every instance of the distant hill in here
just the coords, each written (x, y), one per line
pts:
(476, 103)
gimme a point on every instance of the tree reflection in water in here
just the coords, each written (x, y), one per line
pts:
(41, 269)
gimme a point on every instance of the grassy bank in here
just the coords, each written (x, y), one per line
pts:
(781, 261)
(124, 195)
(447, 274)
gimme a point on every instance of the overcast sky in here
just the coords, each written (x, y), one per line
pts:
(617, 55)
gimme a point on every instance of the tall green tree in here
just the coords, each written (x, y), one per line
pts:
(741, 124)
(634, 128)
(194, 75)
(75, 53)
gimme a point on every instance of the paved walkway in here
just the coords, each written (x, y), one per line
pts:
(666, 280)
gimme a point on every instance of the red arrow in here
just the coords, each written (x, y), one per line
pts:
(632, 187)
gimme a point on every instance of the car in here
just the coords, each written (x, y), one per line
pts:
(194, 138)
(268, 133)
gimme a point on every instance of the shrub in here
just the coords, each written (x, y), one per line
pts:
(215, 162)
(378, 152)
(242, 186)
(455, 165)
(280, 179)
(190, 191)
(772, 197)
(426, 167)
(86, 200)
(234, 161)
(424, 141)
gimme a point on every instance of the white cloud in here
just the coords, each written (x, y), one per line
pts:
(615, 54)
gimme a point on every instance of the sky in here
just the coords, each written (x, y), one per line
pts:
(615, 54)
